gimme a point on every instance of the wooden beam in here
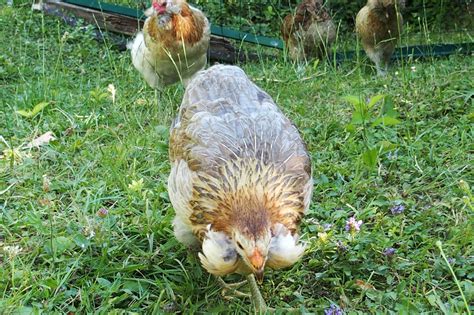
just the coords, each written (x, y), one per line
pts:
(106, 21)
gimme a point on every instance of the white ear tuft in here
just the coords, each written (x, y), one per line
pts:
(218, 255)
(284, 250)
(149, 12)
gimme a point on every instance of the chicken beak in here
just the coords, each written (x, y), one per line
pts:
(259, 276)
(258, 263)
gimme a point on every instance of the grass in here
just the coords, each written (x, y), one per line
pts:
(61, 252)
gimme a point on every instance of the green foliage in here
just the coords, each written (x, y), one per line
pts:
(365, 119)
(437, 15)
(35, 111)
(264, 17)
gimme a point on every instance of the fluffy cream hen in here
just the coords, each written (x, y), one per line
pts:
(240, 177)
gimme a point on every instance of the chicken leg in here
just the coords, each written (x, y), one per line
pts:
(255, 296)
(257, 299)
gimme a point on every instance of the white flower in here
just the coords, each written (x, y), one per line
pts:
(136, 185)
(12, 251)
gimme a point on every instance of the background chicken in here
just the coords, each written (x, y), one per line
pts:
(173, 44)
(310, 32)
(379, 24)
(241, 176)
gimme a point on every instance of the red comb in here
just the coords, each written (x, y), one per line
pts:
(159, 8)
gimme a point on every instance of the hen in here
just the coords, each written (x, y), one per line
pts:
(379, 24)
(240, 177)
(309, 32)
(173, 44)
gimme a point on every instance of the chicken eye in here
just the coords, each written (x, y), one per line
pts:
(240, 246)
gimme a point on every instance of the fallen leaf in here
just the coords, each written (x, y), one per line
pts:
(69, 131)
(364, 285)
(112, 91)
(44, 202)
(41, 140)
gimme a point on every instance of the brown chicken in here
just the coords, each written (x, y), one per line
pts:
(379, 24)
(309, 32)
(173, 44)
(240, 177)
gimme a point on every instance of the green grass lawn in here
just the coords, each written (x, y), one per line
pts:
(85, 220)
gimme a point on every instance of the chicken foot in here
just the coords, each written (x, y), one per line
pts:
(232, 288)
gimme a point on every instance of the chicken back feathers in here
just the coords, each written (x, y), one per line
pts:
(237, 163)
(379, 24)
(172, 46)
(309, 32)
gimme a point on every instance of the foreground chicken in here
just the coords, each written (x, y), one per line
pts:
(379, 24)
(310, 32)
(173, 44)
(240, 180)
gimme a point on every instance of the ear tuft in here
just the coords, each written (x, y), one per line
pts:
(149, 12)
(218, 255)
(284, 248)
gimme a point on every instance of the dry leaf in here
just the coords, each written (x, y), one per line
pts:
(364, 285)
(45, 202)
(41, 140)
(69, 131)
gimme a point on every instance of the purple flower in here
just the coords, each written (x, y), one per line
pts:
(352, 225)
(397, 209)
(333, 310)
(102, 213)
(389, 252)
(451, 261)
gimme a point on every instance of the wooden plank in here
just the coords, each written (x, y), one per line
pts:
(221, 50)
(106, 21)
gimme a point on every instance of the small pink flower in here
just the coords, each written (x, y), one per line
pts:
(102, 213)
(352, 225)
